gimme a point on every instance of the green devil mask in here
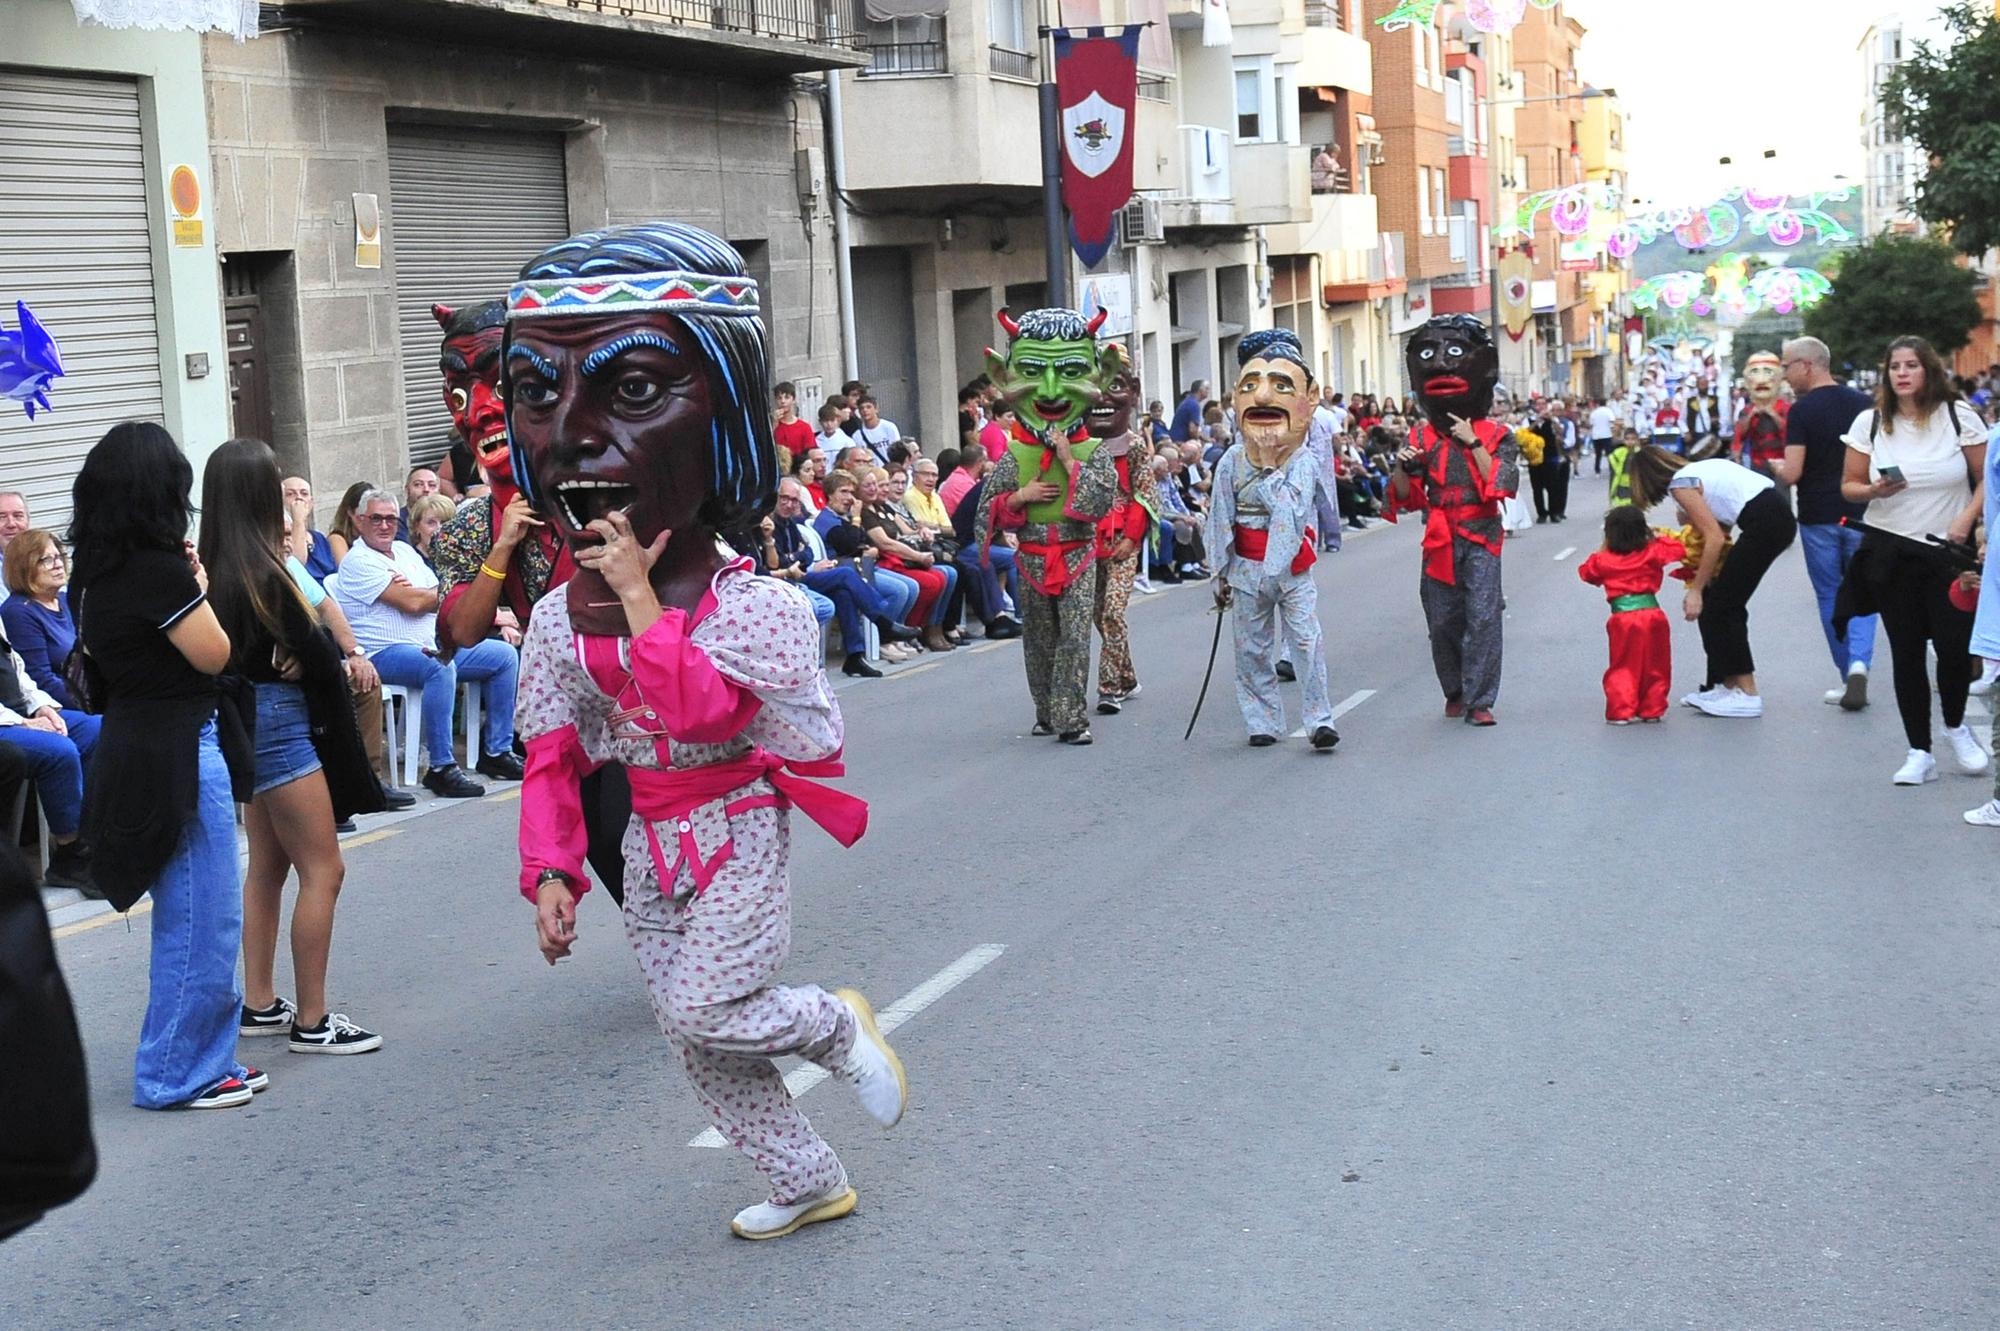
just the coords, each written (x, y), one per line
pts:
(1054, 372)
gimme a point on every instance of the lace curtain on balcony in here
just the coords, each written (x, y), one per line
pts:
(888, 11)
(238, 18)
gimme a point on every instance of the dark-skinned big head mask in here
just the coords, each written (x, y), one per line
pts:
(1454, 368)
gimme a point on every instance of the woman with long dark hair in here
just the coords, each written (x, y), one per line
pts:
(340, 533)
(275, 635)
(1917, 459)
(1714, 496)
(157, 804)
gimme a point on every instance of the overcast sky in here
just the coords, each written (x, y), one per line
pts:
(1701, 80)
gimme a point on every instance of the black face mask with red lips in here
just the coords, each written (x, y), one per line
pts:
(1454, 368)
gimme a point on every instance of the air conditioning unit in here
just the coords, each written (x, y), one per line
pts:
(1139, 222)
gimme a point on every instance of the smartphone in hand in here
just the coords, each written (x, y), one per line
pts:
(1893, 475)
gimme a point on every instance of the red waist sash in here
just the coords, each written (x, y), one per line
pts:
(1442, 525)
(1253, 543)
(1054, 554)
(663, 795)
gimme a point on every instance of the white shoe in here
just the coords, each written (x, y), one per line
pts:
(768, 1220)
(1694, 699)
(872, 1065)
(1972, 759)
(1834, 697)
(1989, 675)
(1731, 702)
(1918, 768)
(1986, 815)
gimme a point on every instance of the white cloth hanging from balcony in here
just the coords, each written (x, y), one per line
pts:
(888, 11)
(238, 18)
(1215, 29)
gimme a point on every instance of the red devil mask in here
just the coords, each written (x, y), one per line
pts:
(469, 360)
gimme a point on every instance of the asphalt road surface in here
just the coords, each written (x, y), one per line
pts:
(1548, 1026)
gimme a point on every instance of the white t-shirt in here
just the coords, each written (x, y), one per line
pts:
(1933, 461)
(878, 437)
(1603, 423)
(358, 585)
(1725, 486)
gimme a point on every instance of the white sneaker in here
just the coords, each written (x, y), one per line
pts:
(1694, 699)
(768, 1220)
(1854, 696)
(1989, 675)
(1972, 759)
(872, 1065)
(1918, 768)
(1986, 815)
(1834, 697)
(1731, 702)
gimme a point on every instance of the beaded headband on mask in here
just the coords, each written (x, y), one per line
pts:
(624, 293)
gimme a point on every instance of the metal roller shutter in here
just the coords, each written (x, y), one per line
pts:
(466, 209)
(76, 244)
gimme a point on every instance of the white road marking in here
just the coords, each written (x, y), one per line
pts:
(1342, 708)
(808, 1075)
(1565, 553)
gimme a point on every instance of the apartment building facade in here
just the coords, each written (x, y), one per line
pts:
(471, 134)
(1413, 183)
(1549, 127)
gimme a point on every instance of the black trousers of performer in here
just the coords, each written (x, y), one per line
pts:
(607, 811)
(1913, 597)
(1602, 448)
(1550, 483)
(1764, 529)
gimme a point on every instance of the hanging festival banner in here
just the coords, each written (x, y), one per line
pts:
(1517, 284)
(1097, 87)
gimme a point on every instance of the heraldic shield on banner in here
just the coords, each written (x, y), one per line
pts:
(1097, 85)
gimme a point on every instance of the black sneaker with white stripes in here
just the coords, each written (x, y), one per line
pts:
(273, 1020)
(335, 1034)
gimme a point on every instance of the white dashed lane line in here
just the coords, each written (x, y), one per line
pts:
(1565, 553)
(1342, 708)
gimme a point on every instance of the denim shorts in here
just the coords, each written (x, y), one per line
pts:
(284, 737)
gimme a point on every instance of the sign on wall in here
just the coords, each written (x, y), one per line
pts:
(184, 197)
(1112, 293)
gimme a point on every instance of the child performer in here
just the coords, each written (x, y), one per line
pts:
(634, 378)
(1629, 568)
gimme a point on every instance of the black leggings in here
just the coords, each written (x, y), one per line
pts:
(1913, 596)
(1764, 529)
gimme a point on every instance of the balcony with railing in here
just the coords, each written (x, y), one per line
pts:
(1011, 64)
(926, 55)
(1327, 13)
(761, 36)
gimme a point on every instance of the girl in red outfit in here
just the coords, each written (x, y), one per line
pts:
(1629, 568)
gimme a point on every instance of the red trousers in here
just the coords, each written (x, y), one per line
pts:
(1642, 665)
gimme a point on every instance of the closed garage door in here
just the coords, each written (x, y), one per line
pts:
(466, 209)
(75, 243)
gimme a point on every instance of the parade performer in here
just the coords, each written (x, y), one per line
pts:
(1121, 534)
(1260, 532)
(1760, 428)
(1456, 470)
(1628, 568)
(1051, 488)
(635, 377)
(496, 557)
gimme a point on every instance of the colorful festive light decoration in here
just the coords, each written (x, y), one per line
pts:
(1485, 15)
(1570, 209)
(1728, 290)
(1774, 216)
(1788, 289)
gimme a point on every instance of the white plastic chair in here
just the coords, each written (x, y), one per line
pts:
(394, 695)
(469, 709)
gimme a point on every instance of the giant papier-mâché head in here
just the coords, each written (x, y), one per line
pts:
(1274, 395)
(1761, 375)
(1054, 372)
(469, 360)
(1454, 367)
(635, 377)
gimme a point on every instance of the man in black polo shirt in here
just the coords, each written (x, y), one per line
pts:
(1823, 411)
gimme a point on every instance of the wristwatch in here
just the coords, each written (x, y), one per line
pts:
(548, 876)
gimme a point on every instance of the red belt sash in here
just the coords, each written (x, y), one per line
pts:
(1441, 525)
(1253, 543)
(1054, 554)
(667, 795)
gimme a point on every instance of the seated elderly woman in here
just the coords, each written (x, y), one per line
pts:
(905, 549)
(978, 580)
(426, 515)
(839, 527)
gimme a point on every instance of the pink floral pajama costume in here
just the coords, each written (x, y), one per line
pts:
(705, 713)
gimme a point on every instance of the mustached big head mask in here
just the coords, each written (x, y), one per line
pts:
(1274, 395)
(635, 377)
(1760, 375)
(1454, 368)
(1053, 372)
(469, 360)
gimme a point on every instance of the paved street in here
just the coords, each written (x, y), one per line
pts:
(1549, 1026)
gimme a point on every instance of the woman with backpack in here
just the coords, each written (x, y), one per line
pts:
(1917, 459)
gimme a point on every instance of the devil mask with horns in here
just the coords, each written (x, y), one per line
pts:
(1454, 368)
(1054, 372)
(469, 360)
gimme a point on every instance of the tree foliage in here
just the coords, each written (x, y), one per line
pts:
(1891, 287)
(1949, 101)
